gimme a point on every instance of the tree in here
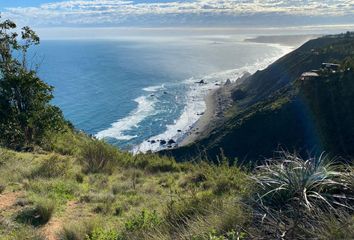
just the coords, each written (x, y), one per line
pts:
(26, 114)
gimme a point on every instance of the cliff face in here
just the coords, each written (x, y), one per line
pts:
(275, 110)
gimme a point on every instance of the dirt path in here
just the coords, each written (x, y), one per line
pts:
(7, 200)
(53, 227)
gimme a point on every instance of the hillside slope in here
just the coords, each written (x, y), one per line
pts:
(271, 111)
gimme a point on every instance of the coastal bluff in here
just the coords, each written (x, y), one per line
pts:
(273, 109)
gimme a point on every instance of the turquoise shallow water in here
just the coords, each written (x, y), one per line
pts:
(128, 91)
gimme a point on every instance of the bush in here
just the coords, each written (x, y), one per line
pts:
(98, 156)
(52, 167)
(144, 220)
(103, 234)
(5, 156)
(37, 215)
(66, 142)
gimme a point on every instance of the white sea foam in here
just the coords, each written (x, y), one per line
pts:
(196, 103)
(145, 108)
(154, 88)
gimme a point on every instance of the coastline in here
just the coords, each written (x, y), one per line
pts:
(219, 100)
(200, 127)
(214, 92)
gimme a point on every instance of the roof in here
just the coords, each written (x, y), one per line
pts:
(310, 74)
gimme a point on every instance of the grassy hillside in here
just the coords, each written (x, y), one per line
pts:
(92, 191)
(98, 192)
(272, 112)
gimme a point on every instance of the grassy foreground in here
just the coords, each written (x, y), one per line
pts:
(81, 188)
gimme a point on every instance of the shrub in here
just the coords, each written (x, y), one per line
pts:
(67, 142)
(144, 220)
(36, 215)
(52, 167)
(5, 156)
(98, 156)
(103, 234)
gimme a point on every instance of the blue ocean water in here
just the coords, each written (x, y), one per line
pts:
(130, 90)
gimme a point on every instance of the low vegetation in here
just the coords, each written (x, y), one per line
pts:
(152, 197)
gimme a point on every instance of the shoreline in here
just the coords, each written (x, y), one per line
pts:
(217, 102)
(200, 126)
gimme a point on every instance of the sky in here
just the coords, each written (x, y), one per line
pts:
(158, 13)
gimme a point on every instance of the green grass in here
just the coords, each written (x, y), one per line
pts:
(152, 197)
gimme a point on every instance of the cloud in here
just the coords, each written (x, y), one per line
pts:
(116, 12)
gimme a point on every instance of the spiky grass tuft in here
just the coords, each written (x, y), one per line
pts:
(293, 193)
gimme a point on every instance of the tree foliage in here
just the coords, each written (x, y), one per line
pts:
(26, 114)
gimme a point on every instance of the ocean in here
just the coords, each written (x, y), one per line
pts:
(129, 90)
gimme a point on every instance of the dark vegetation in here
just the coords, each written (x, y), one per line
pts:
(26, 115)
(273, 109)
(64, 185)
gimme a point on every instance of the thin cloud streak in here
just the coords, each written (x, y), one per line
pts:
(93, 12)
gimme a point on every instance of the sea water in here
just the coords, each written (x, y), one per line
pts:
(130, 91)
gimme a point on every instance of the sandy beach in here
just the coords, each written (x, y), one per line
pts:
(218, 101)
(201, 126)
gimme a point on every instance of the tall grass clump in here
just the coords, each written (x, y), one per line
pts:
(98, 156)
(291, 192)
(152, 163)
(89, 229)
(38, 214)
(78, 230)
